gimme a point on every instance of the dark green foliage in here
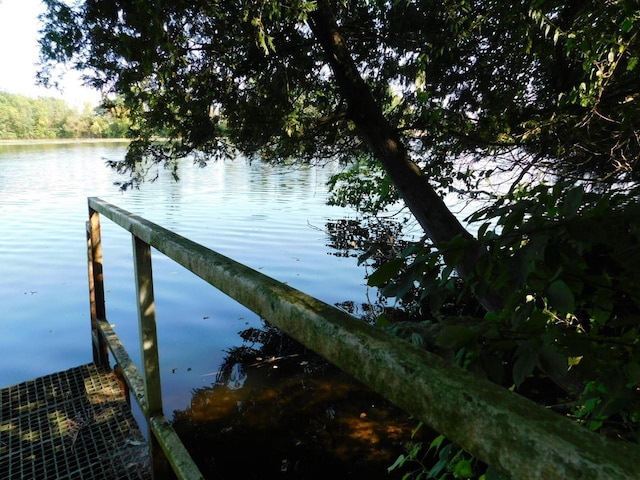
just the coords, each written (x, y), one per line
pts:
(530, 84)
(202, 73)
(365, 185)
(571, 265)
(568, 263)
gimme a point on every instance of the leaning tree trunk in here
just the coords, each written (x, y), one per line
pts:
(427, 206)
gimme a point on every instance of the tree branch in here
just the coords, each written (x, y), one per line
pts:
(438, 222)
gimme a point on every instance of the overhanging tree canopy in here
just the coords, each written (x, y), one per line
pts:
(556, 80)
(549, 84)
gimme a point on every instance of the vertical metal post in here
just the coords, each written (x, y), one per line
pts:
(96, 289)
(149, 349)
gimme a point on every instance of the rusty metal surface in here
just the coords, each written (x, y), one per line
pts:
(70, 425)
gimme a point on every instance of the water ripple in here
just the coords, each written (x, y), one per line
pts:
(269, 217)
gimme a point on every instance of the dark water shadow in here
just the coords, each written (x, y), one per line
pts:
(277, 410)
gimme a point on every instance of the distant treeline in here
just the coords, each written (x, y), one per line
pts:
(23, 117)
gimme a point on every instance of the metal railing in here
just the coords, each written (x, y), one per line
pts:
(165, 447)
(514, 435)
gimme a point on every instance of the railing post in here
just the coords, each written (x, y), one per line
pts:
(149, 350)
(96, 289)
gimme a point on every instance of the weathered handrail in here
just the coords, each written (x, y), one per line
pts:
(511, 433)
(165, 448)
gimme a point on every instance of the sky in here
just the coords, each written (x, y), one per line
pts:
(19, 54)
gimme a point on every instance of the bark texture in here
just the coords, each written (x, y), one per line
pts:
(438, 222)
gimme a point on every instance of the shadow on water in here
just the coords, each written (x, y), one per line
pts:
(277, 410)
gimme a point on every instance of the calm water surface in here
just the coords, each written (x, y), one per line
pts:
(271, 218)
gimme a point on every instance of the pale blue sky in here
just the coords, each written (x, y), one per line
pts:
(19, 27)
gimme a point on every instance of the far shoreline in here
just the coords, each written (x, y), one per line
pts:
(61, 141)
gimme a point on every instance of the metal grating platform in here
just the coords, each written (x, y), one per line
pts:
(74, 424)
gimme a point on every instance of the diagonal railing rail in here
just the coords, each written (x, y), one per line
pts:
(516, 436)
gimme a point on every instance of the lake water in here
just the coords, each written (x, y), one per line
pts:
(271, 218)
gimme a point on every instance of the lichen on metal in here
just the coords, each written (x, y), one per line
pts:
(175, 451)
(131, 374)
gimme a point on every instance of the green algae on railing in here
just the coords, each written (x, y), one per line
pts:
(514, 435)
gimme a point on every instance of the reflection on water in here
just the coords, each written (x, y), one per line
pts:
(293, 414)
(277, 410)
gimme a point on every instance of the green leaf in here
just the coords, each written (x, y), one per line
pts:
(455, 250)
(463, 469)
(436, 442)
(527, 360)
(573, 201)
(561, 297)
(454, 336)
(553, 363)
(382, 321)
(444, 456)
(483, 229)
(385, 273)
(398, 463)
(492, 316)
(632, 372)
(492, 474)
(405, 283)
(418, 427)
(627, 25)
(417, 339)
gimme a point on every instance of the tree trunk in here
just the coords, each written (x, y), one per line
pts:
(438, 222)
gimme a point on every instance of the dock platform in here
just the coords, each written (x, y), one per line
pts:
(75, 424)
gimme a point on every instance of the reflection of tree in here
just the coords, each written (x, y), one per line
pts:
(277, 409)
(374, 241)
(268, 348)
(379, 236)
